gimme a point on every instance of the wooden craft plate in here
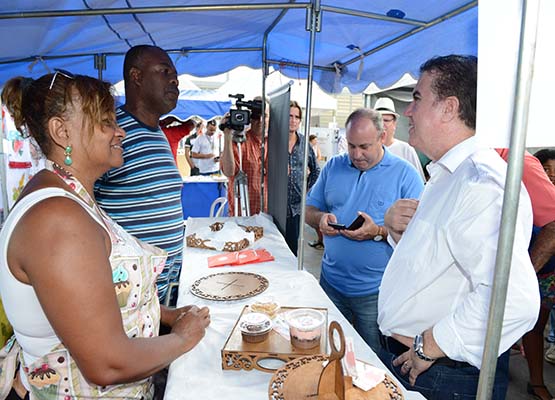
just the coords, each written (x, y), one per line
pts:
(240, 355)
(228, 286)
(298, 380)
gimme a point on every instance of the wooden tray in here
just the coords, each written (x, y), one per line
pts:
(228, 286)
(239, 355)
(298, 380)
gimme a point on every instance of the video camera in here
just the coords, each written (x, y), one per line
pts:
(239, 117)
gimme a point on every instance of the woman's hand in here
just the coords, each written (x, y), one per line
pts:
(168, 315)
(191, 325)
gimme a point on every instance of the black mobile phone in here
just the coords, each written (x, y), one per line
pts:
(336, 226)
(357, 223)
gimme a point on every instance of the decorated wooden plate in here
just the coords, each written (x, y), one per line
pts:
(298, 379)
(228, 286)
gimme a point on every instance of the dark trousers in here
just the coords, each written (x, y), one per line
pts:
(448, 379)
(292, 233)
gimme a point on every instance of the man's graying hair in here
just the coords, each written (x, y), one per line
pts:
(374, 116)
(457, 76)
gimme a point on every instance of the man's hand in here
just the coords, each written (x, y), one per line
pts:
(411, 364)
(325, 228)
(367, 231)
(398, 217)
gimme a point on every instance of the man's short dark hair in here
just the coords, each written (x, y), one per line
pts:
(456, 75)
(545, 155)
(134, 56)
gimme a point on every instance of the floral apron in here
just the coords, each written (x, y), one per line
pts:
(135, 266)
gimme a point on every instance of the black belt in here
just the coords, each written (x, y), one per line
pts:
(398, 348)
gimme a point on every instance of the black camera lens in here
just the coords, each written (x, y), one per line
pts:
(239, 118)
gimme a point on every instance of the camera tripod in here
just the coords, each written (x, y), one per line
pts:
(240, 189)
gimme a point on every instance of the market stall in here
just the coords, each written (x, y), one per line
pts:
(199, 373)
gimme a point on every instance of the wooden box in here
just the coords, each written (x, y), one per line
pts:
(239, 355)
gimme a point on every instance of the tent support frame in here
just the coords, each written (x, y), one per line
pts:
(523, 88)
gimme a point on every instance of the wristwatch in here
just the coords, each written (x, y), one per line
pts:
(380, 236)
(418, 347)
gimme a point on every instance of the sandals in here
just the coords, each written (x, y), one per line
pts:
(316, 244)
(531, 389)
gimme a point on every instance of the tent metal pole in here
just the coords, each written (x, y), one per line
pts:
(263, 141)
(363, 14)
(523, 87)
(315, 25)
(100, 64)
(434, 22)
(151, 10)
(170, 51)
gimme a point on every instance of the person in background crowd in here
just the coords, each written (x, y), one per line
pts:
(547, 159)
(251, 154)
(203, 151)
(189, 142)
(436, 290)
(319, 242)
(386, 107)
(78, 289)
(313, 139)
(295, 173)
(364, 182)
(144, 194)
(175, 131)
(542, 249)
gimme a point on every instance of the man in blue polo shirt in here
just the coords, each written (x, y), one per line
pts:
(366, 181)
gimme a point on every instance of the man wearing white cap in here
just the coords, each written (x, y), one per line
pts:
(386, 107)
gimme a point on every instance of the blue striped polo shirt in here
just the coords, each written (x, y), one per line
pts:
(144, 194)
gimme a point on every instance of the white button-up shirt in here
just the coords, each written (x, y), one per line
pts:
(204, 144)
(442, 270)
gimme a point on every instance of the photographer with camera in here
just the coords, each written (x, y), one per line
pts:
(241, 158)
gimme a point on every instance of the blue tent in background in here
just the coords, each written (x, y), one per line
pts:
(201, 103)
(358, 42)
(205, 104)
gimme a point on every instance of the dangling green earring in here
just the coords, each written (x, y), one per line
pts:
(68, 161)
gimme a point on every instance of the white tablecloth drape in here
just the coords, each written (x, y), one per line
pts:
(198, 375)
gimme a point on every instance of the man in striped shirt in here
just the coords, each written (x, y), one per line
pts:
(144, 194)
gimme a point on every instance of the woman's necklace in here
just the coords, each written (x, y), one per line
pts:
(72, 182)
(82, 193)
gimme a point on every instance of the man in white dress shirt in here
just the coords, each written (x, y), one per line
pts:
(203, 151)
(435, 293)
(386, 108)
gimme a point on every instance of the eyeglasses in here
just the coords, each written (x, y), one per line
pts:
(62, 72)
(388, 121)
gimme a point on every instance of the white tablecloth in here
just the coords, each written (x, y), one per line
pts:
(198, 374)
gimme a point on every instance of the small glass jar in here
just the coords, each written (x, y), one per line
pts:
(255, 327)
(305, 327)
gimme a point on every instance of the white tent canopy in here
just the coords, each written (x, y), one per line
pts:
(247, 81)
